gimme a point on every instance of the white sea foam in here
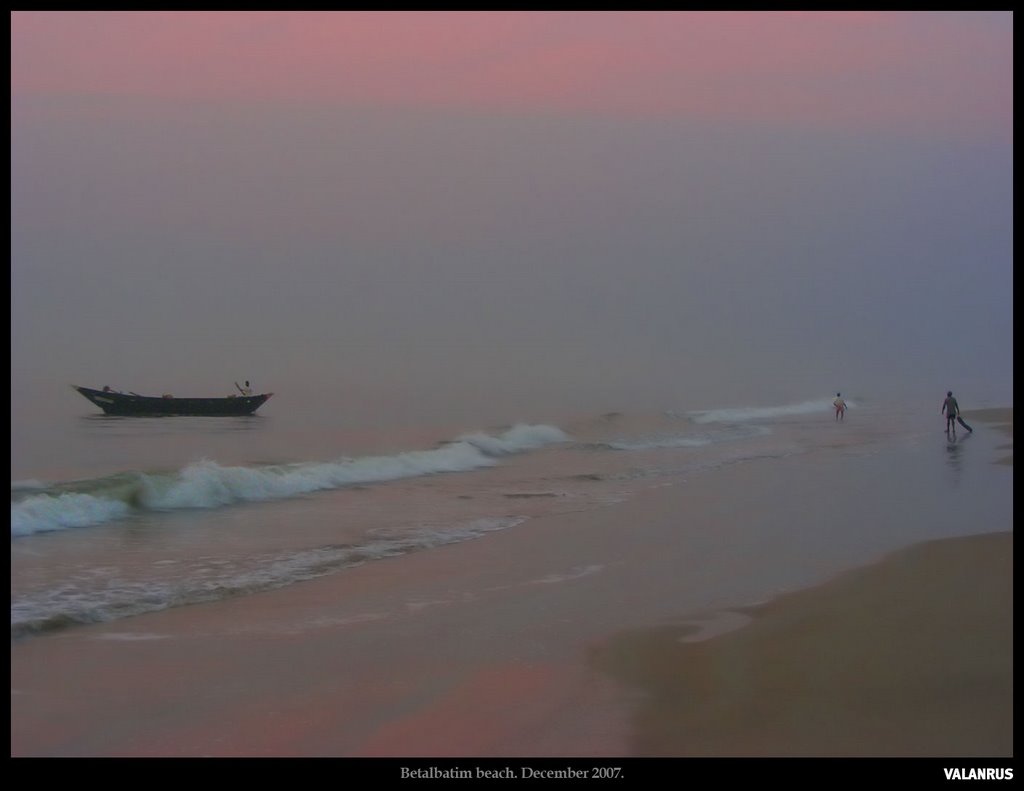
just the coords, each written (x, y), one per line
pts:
(657, 443)
(118, 597)
(43, 513)
(743, 414)
(717, 435)
(515, 440)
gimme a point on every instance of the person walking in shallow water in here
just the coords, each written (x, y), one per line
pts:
(952, 410)
(840, 406)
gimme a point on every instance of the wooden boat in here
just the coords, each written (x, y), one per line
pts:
(133, 404)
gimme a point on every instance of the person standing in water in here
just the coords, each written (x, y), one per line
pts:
(952, 411)
(840, 406)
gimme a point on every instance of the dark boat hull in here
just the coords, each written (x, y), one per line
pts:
(132, 405)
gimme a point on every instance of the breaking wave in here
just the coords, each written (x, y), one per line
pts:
(207, 484)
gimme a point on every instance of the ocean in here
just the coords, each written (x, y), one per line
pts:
(115, 517)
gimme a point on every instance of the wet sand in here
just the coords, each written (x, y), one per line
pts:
(561, 637)
(909, 657)
(1002, 421)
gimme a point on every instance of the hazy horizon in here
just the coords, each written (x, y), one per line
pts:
(443, 213)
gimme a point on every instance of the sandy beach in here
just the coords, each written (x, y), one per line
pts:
(909, 657)
(767, 608)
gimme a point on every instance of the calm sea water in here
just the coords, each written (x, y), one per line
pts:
(113, 517)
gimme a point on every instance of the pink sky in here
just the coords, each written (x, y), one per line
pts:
(910, 71)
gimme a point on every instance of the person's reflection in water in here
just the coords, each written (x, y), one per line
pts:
(954, 455)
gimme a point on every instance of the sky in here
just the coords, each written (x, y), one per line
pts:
(427, 214)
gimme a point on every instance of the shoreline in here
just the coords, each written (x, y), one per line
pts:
(507, 645)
